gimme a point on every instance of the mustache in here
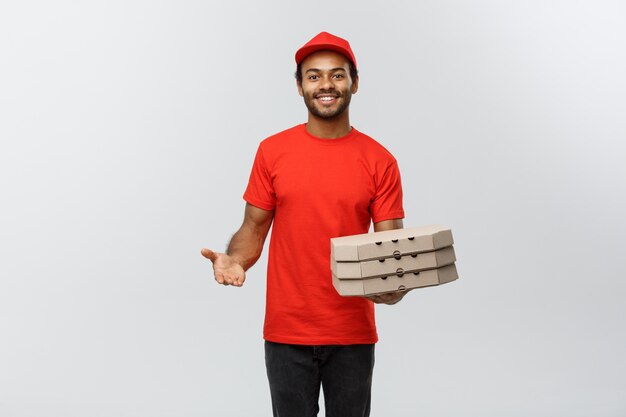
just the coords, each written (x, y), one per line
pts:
(327, 93)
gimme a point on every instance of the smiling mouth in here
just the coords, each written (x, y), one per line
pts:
(326, 99)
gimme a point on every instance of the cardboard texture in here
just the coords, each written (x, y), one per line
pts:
(406, 281)
(390, 243)
(391, 266)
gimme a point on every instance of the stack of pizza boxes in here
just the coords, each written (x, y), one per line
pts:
(392, 260)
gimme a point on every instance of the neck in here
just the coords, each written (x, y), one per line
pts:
(329, 128)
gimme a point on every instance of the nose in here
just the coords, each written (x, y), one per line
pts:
(327, 83)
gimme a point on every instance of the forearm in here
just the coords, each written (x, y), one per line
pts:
(246, 245)
(388, 225)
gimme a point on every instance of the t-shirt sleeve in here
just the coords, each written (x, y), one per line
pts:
(260, 191)
(387, 202)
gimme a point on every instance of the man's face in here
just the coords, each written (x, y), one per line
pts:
(326, 84)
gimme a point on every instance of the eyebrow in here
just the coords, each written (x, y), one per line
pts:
(330, 70)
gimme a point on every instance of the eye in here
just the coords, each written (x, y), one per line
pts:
(338, 75)
(313, 77)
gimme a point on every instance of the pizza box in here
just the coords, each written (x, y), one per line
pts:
(412, 262)
(396, 282)
(390, 243)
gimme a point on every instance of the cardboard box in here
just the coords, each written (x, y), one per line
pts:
(392, 283)
(390, 243)
(391, 266)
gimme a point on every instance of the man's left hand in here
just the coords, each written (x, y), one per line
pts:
(388, 297)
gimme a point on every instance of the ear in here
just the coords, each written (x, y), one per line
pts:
(299, 85)
(355, 85)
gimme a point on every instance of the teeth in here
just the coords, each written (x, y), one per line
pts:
(326, 98)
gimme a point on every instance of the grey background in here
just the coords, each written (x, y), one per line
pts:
(127, 135)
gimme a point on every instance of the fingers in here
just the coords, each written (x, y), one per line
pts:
(209, 254)
(387, 298)
(378, 298)
(236, 281)
(219, 277)
(229, 279)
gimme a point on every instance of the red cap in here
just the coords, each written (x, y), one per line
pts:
(326, 41)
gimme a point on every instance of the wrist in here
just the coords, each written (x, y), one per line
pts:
(237, 259)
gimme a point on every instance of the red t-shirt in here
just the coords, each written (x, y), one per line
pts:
(319, 189)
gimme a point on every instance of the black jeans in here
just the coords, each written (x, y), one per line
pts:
(295, 373)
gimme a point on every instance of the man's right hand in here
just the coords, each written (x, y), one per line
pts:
(227, 271)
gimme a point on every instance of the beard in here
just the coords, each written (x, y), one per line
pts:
(328, 113)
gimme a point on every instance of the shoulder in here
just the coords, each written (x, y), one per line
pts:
(374, 148)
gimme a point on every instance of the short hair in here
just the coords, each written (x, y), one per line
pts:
(353, 72)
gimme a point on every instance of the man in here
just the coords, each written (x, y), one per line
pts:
(315, 181)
